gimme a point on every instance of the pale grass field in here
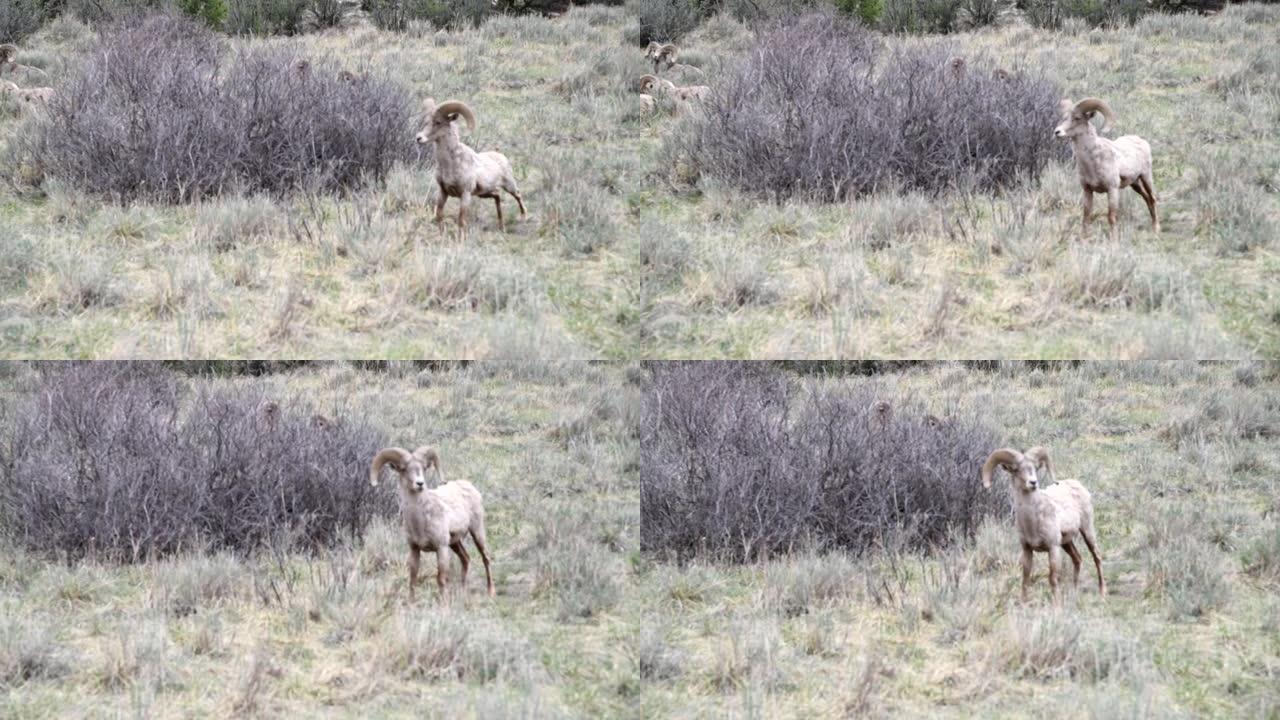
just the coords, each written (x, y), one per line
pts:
(553, 450)
(1182, 463)
(1181, 459)
(621, 257)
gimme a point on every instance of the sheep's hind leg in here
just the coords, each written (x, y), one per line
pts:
(477, 535)
(1148, 192)
(1092, 542)
(497, 204)
(514, 190)
(1076, 561)
(461, 551)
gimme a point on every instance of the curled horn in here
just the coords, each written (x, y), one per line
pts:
(1003, 456)
(455, 106)
(428, 456)
(648, 81)
(397, 456)
(1092, 104)
(1040, 456)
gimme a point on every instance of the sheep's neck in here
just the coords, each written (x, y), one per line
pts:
(1091, 154)
(450, 151)
(1027, 512)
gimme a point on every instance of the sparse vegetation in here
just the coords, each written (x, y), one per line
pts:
(1188, 542)
(630, 250)
(273, 630)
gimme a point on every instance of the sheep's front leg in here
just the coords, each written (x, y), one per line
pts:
(441, 199)
(414, 558)
(442, 568)
(1113, 208)
(1055, 564)
(1087, 203)
(465, 202)
(1028, 563)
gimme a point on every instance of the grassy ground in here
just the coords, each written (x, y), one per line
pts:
(621, 258)
(1181, 459)
(1182, 463)
(554, 452)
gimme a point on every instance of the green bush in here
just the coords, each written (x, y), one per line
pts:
(869, 11)
(20, 18)
(209, 12)
(265, 17)
(665, 20)
(939, 16)
(1050, 14)
(327, 13)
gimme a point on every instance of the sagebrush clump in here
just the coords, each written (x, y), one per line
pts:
(130, 462)
(159, 110)
(820, 110)
(740, 461)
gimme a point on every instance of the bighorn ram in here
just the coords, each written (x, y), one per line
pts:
(654, 85)
(664, 57)
(462, 172)
(661, 55)
(28, 96)
(1048, 520)
(436, 519)
(881, 416)
(1106, 165)
(9, 62)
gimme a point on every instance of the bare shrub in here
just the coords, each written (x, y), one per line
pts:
(20, 18)
(156, 111)
(130, 461)
(665, 20)
(819, 110)
(739, 462)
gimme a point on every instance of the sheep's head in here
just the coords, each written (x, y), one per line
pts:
(882, 412)
(1076, 117)
(654, 50)
(440, 119)
(956, 66)
(270, 413)
(8, 52)
(649, 84)
(1022, 468)
(411, 466)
